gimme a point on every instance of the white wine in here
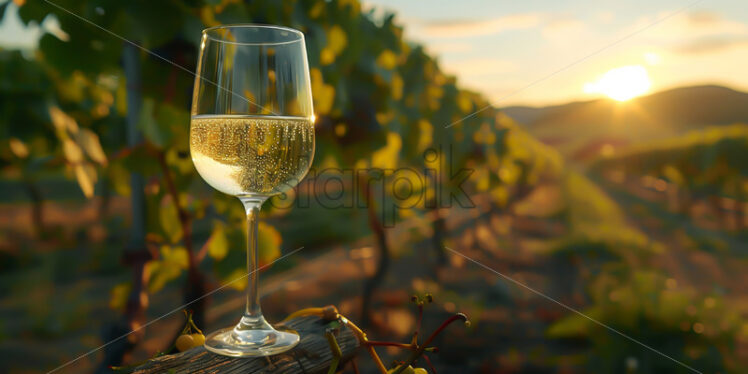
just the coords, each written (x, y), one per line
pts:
(251, 155)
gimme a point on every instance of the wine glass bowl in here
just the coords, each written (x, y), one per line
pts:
(252, 155)
(252, 136)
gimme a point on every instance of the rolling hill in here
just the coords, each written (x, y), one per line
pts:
(581, 130)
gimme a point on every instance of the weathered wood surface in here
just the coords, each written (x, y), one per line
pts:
(311, 355)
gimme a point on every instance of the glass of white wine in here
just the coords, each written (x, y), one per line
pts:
(252, 136)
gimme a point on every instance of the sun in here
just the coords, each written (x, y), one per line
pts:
(621, 84)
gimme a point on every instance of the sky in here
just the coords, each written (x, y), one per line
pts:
(499, 48)
(540, 52)
(15, 35)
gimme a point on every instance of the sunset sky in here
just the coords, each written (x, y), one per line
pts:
(499, 47)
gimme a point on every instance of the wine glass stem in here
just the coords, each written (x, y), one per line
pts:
(253, 313)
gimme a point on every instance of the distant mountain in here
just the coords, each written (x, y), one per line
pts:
(581, 129)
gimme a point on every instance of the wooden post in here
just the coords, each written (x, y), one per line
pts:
(312, 355)
(383, 261)
(135, 254)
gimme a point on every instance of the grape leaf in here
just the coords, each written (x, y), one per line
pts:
(85, 174)
(268, 243)
(169, 220)
(218, 244)
(89, 141)
(155, 131)
(169, 266)
(119, 295)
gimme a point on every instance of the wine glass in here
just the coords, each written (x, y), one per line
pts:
(252, 136)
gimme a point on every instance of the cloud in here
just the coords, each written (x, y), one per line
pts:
(472, 28)
(696, 32)
(479, 67)
(440, 48)
(689, 26)
(562, 23)
(604, 16)
(703, 18)
(564, 29)
(712, 44)
(446, 48)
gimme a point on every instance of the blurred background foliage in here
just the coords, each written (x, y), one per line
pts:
(69, 108)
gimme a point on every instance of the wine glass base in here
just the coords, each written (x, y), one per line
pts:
(250, 343)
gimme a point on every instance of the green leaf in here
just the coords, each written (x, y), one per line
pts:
(233, 264)
(574, 325)
(75, 54)
(18, 147)
(85, 174)
(89, 141)
(323, 94)
(176, 121)
(152, 23)
(236, 279)
(72, 151)
(155, 131)
(268, 243)
(169, 220)
(119, 295)
(172, 262)
(140, 161)
(218, 244)
(387, 59)
(176, 256)
(119, 178)
(387, 157)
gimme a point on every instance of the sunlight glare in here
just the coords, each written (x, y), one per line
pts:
(622, 83)
(652, 58)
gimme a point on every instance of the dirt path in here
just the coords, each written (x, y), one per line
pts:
(509, 323)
